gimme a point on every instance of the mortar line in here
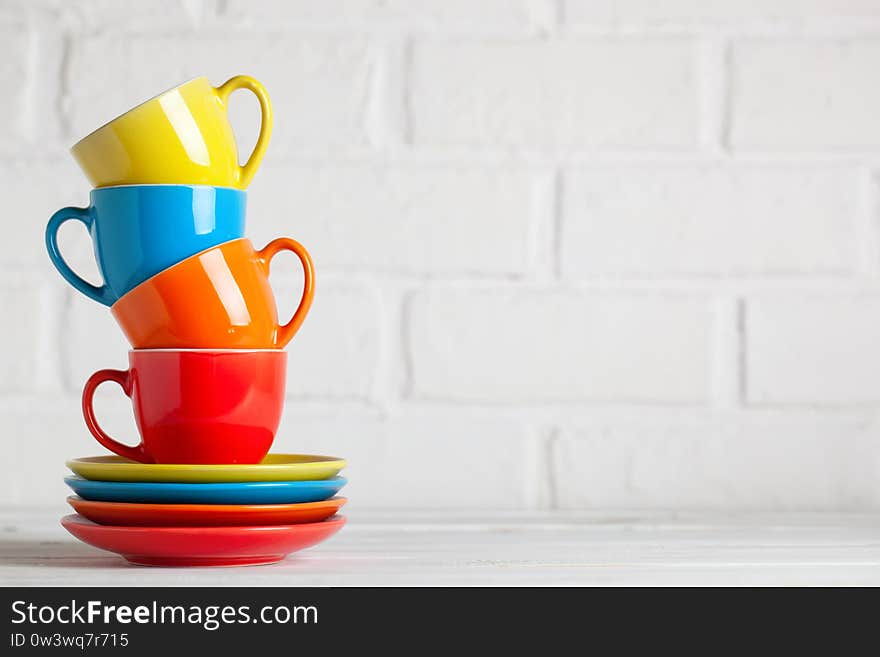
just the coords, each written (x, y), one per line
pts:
(867, 233)
(727, 91)
(550, 446)
(405, 387)
(406, 90)
(712, 99)
(558, 186)
(742, 352)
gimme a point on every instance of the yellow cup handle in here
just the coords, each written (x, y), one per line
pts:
(246, 172)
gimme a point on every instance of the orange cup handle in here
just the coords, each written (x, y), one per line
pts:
(285, 333)
(137, 453)
(247, 171)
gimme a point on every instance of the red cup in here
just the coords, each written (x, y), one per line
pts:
(197, 405)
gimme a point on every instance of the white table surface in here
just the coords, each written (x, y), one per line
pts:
(614, 548)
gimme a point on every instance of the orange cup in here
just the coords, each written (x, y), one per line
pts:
(216, 299)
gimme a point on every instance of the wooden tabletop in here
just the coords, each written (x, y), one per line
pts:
(431, 548)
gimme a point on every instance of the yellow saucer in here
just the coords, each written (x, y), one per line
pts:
(275, 467)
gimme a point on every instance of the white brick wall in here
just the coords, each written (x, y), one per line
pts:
(751, 463)
(373, 217)
(709, 221)
(614, 93)
(802, 95)
(641, 12)
(512, 345)
(570, 254)
(815, 349)
(14, 66)
(405, 14)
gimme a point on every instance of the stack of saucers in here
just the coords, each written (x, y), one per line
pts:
(205, 515)
(208, 368)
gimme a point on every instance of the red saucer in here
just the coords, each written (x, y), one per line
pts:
(202, 546)
(134, 514)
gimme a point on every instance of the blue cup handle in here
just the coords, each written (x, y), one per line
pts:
(101, 294)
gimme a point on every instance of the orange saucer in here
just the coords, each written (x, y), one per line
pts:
(132, 514)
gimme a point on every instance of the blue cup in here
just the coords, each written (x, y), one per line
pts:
(139, 230)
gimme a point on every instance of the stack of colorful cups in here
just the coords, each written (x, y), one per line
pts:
(207, 370)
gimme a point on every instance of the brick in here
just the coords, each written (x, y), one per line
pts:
(527, 346)
(14, 73)
(709, 220)
(336, 352)
(577, 12)
(32, 42)
(800, 95)
(399, 219)
(38, 433)
(46, 432)
(32, 192)
(317, 84)
(545, 94)
(815, 349)
(790, 463)
(489, 15)
(418, 462)
(91, 340)
(97, 14)
(26, 305)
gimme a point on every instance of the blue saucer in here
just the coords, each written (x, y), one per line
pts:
(247, 492)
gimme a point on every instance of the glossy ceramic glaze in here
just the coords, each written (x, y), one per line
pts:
(218, 299)
(203, 515)
(139, 230)
(274, 467)
(248, 492)
(181, 136)
(197, 406)
(202, 546)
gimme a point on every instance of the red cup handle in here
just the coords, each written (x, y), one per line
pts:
(285, 333)
(136, 453)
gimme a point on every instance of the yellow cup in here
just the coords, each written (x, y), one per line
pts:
(182, 136)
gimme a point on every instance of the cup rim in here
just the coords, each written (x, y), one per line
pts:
(232, 189)
(179, 264)
(205, 350)
(137, 107)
